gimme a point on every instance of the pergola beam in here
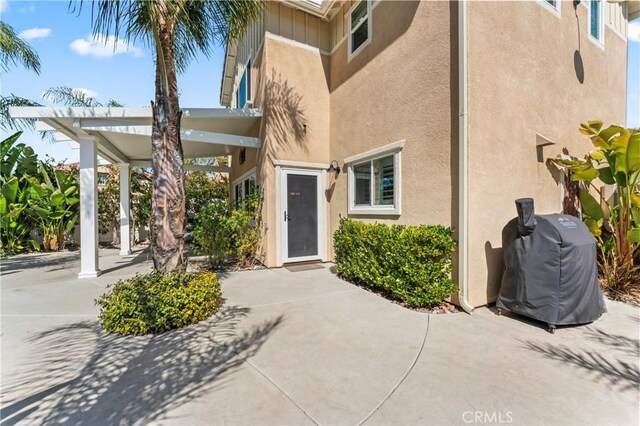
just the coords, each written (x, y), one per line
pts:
(190, 167)
(189, 135)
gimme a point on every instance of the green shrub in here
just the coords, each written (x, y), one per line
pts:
(410, 263)
(155, 303)
(225, 234)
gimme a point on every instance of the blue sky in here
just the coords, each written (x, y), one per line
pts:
(71, 58)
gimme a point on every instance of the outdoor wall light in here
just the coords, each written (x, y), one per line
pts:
(334, 168)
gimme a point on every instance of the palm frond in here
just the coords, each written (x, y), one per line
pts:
(70, 97)
(15, 51)
(10, 124)
(198, 25)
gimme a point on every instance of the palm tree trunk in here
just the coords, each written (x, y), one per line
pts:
(168, 200)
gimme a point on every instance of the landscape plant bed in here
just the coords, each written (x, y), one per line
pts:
(201, 263)
(443, 307)
(409, 264)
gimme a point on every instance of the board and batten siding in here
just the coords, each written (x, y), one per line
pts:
(616, 17)
(297, 25)
(248, 46)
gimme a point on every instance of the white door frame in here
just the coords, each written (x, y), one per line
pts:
(281, 201)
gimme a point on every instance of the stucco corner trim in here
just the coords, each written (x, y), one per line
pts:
(387, 149)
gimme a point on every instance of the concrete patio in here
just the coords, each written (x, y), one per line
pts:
(300, 348)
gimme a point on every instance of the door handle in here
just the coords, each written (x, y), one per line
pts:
(286, 217)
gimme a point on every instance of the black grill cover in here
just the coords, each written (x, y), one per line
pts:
(550, 271)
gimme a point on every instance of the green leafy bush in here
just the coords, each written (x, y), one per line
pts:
(155, 303)
(226, 234)
(409, 263)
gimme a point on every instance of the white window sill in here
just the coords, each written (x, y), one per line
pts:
(374, 211)
(599, 43)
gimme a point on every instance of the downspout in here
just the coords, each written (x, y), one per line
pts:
(463, 175)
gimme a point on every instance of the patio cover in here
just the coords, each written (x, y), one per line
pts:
(123, 136)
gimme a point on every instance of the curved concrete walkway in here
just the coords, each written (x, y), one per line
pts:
(301, 348)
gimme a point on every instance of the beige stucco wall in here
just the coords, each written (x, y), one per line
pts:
(523, 82)
(399, 87)
(292, 90)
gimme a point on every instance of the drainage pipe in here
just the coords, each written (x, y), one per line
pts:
(463, 173)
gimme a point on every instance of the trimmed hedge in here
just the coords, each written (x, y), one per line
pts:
(155, 303)
(410, 263)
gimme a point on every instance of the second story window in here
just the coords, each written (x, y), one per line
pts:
(359, 26)
(596, 20)
(243, 93)
(552, 6)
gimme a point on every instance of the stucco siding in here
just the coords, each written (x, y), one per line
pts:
(294, 95)
(525, 72)
(398, 88)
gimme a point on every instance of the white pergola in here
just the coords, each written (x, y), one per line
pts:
(123, 136)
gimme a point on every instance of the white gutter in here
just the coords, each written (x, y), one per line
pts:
(463, 175)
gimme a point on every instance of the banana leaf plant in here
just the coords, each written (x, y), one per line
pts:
(18, 161)
(615, 162)
(53, 204)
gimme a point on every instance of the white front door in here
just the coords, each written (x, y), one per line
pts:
(302, 215)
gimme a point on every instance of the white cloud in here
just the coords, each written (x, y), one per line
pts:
(88, 92)
(29, 9)
(4, 5)
(633, 33)
(35, 33)
(102, 47)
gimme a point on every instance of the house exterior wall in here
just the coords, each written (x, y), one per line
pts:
(398, 88)
(521, 85)
(292, 90)
(321, 105)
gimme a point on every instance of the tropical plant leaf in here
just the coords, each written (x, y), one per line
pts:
(590, 206)
(56, 198)
(584, 175)
(594, 227)
(10, 189)
(633, 152)
(605, 175)
(590, 127)
(634, 235)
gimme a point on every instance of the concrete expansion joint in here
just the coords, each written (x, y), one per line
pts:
(413, 364)
(273, 382)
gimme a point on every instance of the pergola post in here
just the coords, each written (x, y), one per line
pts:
(88, 208)
(125, 209)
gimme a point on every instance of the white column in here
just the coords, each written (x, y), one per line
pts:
(125, 210)
(88, 208)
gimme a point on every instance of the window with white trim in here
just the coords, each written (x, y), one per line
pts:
(596, 20)
(359, 26)
(374, 184)
(243, 188)
(243, 92)
(552, 5)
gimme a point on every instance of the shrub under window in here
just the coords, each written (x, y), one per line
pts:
(409, 263)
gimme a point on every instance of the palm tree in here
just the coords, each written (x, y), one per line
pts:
(176, 30)
(14, 51)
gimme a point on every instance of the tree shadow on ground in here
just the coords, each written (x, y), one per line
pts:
(615, 361)
(39, 260)
(87, 376)
(139, 257)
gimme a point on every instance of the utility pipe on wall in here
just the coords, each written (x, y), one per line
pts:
(463, 175)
